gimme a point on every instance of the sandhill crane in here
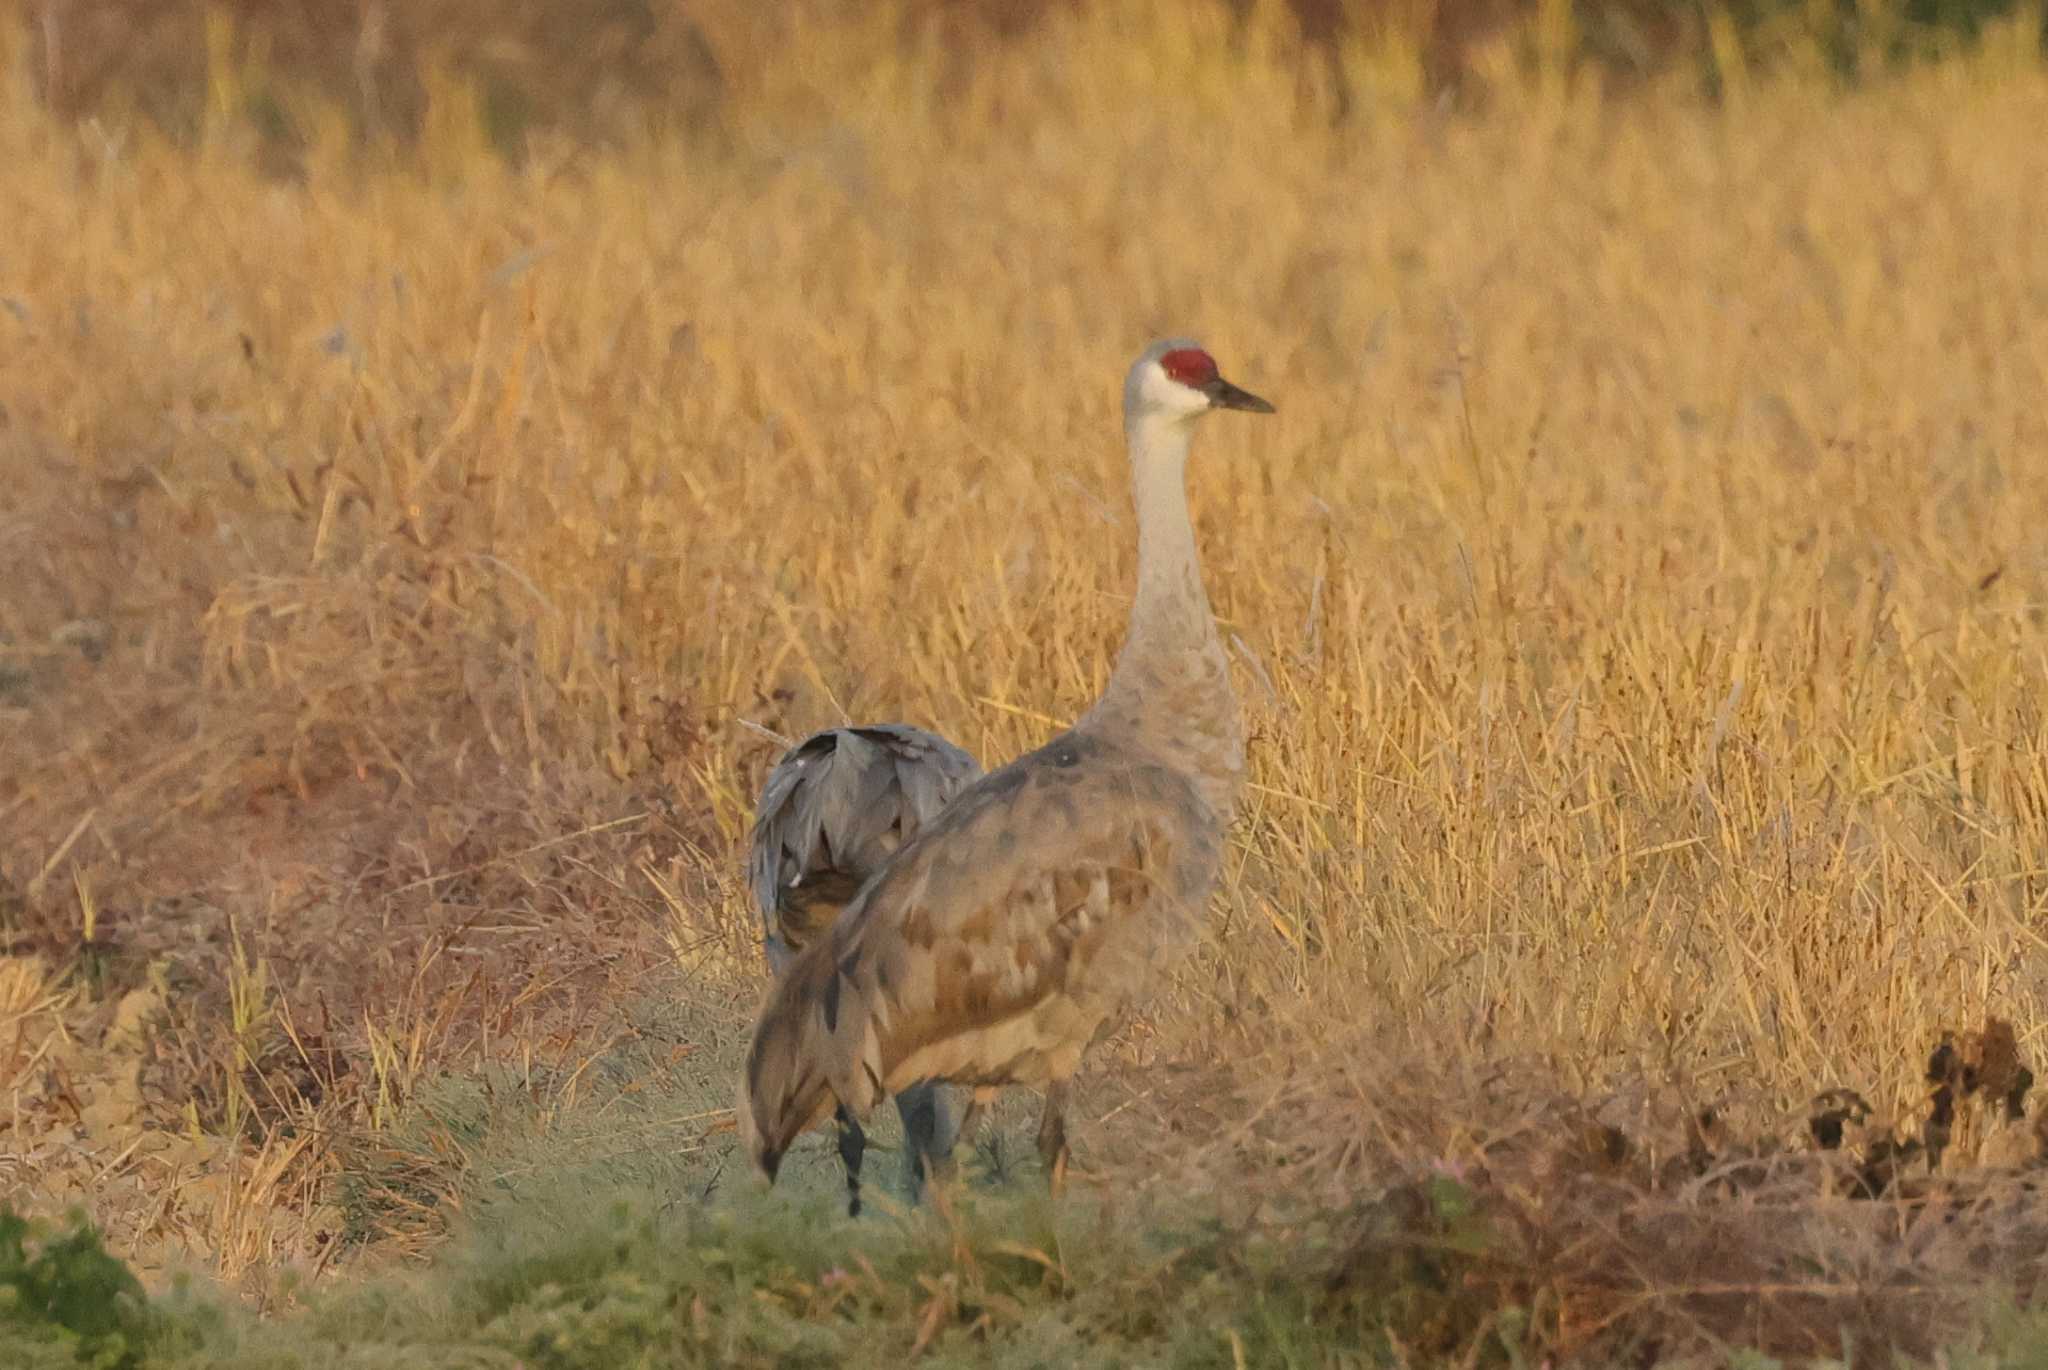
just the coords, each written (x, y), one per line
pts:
(835, 807)
(990, 950)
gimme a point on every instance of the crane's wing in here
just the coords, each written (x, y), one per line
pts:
(1041, 901)
(834, 808)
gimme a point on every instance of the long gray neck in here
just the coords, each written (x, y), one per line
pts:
(1170, 692)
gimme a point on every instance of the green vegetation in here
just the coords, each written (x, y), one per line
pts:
(1002, 1282)
(64, 1300)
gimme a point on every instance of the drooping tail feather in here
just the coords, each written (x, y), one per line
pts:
(803, 1060)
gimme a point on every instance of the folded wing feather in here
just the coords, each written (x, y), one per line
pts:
(993, 946)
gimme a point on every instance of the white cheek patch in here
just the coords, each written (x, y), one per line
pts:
(1168, 395)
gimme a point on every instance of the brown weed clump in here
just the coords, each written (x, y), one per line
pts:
(1640, 1223)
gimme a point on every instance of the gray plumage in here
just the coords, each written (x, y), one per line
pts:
(1045, 899)
(835, 808)
(837, 805)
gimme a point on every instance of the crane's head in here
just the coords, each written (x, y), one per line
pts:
(1176, 379)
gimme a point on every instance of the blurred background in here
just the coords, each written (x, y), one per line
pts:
(450, 448)
(614, 69)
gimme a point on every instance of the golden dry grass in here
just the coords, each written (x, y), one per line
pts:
(1638, 597)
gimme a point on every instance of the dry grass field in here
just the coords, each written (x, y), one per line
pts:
(1640, 606)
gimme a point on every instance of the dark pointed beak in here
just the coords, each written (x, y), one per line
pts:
(1223, 395)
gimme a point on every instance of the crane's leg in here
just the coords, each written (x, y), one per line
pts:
(853, 1143)
(964, 1134)
(982, 1097)
(927, 1136)
(1052, 1136)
